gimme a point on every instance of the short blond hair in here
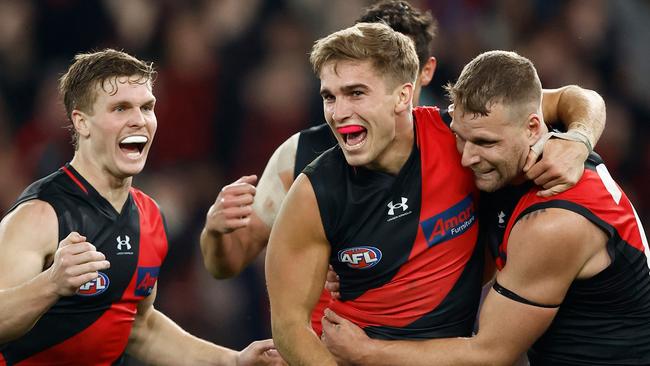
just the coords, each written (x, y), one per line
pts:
(390, 52)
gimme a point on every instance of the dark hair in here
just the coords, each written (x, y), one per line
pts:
(404, 18)
(495, 77)
(77, 85)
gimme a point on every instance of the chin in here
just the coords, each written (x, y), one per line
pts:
(487, 185)
(356, 159)
(131, 169)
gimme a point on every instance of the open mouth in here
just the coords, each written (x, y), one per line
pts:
(353, 135)
(132, 146)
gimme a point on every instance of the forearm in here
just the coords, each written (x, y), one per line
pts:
(22, 306)
(223, 255)
(298, 343)
(159, 341)
(439, 352)
(582, 110)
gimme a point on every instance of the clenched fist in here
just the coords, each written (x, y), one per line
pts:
(233, 206)
(76, 262)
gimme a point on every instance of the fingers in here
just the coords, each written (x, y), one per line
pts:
(327, 325)
(73, 237)
(242, 185)
(555, 189)
(248, 179)
(536, 151)
(75, 263)
(233, 206)
(263, 345)
(333, 317)
(530, 159)
(333, 283)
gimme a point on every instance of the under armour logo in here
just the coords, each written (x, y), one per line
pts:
(402, 206)
(125, 242)
(501, 216)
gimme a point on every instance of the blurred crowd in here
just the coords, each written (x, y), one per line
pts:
(234, 82)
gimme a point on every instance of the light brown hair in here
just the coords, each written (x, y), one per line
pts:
(390, 52)
(89, 70)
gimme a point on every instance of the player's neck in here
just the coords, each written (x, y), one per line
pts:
(393, 158)
(114, 189)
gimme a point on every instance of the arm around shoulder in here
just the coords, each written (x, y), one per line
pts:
(578, 109)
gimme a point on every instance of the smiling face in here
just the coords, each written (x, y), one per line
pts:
(362, 109)
(117, 133)
(495, 146)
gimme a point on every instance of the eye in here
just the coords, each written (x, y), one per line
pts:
(148, 107)
(357, 93)
(328, 98)
(485, 143)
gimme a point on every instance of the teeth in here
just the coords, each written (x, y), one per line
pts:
(136, 139)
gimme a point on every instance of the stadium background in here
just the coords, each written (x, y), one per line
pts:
(234, 82)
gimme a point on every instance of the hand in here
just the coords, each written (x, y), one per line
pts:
(345, 341)
(233, 207)
(561, 166)
(260, 353)
(76, 262)
(332, 283)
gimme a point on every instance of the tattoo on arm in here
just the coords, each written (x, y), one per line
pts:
(533, 214)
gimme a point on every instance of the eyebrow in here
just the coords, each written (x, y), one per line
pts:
(346, 89)
(129, 103)
(475, 139)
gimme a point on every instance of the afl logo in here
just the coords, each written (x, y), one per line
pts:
(360, 257)
(94, 287)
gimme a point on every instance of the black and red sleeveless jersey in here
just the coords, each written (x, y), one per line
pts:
(404, 246)
(93, 326)
(311, 143)
(605, 319)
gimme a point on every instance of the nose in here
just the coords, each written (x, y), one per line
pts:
(470, 156)
(341, 110)
(138, 118)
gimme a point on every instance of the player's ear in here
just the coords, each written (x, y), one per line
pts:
(80, 122)
(534, 127)
(404, 98)
(427, 71)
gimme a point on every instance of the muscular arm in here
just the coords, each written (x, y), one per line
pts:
(577, 109)
(237, 228)
(296, 263)
(562, 162)
(534, 270)
(27, 290)
(157, 340)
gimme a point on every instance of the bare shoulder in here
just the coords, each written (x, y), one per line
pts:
(276, 181)
(299, 214)
(554, 240)
(284, 157)
(33, 222)
(28, 237)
